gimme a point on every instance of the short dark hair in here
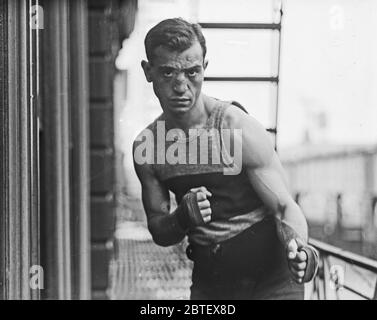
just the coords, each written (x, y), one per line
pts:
(175, 34)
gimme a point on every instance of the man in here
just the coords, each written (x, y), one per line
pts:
(248, 238)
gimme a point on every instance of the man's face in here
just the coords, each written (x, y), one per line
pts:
(177, 77)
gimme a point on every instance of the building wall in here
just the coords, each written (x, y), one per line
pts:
(337, 192)
(101, 38)
(19, 214)
(109, 23)
(56, 146)
(342, 171)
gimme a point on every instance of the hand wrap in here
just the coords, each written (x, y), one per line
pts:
(188, 212)
(311, 264)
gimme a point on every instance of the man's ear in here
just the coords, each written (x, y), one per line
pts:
(147, 70)
(205, 64)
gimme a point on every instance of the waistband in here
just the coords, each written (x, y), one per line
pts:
(221, 230)
(254, 251)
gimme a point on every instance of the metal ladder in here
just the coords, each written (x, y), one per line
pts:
(268, 79)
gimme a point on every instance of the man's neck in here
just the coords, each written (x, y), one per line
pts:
(195, 118)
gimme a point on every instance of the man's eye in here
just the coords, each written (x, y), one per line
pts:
(168, 74)
(192, 73)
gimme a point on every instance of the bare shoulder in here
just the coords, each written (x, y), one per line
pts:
(234, 117)
(257, 146)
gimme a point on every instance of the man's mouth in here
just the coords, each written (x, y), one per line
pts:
(180, 99)
(180, 102)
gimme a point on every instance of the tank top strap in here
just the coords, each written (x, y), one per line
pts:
(217, 115)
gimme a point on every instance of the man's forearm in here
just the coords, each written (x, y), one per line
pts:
(169, 229)
(166, 230)
(291, 223)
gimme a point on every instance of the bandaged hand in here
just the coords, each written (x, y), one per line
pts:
(302, 260)
(194, 209)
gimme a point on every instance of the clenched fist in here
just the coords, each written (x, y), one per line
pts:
(204, 205)
(302, 260)
(194, 209)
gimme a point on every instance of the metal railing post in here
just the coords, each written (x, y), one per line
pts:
(298, 197)
(375, 292)
(339, 216)
(326, 250)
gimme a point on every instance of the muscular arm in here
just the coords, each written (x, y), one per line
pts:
(163, 225)
(170, 228)
(267, 177)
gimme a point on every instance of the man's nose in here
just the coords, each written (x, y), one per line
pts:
(180, 83)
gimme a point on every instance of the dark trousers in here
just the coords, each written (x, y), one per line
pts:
(249, 266)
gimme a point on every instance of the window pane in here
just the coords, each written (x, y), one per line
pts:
(252, 53)
(258, 98)
(258, 11)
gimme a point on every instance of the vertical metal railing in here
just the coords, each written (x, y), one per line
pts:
(343, 274)
(331, 281)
